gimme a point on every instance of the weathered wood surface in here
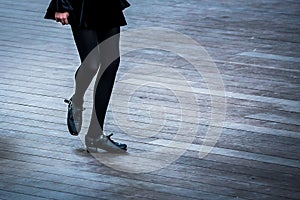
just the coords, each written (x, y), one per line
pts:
(255, 45)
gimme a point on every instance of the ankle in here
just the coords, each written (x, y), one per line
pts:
(77, 100)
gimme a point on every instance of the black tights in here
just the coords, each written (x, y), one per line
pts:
(92, 56)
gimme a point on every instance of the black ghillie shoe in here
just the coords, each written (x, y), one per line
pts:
(104, 142)
(74, 117)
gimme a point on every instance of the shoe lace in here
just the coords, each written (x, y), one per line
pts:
(114, 142)
(75, 106)
(109, 137)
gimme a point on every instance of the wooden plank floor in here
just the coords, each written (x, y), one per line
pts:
(256, 47)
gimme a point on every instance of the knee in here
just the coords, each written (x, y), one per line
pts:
(92, 67)
(110, 63)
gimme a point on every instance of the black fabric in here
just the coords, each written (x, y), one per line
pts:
(86, 40)
(58, 6)
(92, 14)
(124, 4)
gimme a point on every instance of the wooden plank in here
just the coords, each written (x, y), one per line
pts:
(65, 165)
(263, 130)
(270, 56)
(295, 120)
(230, 135)
(16, 196)
(41, 140)
(37, 146)
(234, 153)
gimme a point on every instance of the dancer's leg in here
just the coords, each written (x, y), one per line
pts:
(87, 45)
(86, 40)
(110, 59)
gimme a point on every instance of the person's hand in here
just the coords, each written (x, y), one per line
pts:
(62, 17)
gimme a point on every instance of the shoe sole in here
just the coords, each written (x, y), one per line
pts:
(90, 148)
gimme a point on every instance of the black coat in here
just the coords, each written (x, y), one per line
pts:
(94, 14)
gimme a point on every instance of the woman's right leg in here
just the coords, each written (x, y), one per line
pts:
(87, 45)
(86, 41)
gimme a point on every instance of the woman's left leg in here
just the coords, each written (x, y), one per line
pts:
(110, 60)
(109, 64)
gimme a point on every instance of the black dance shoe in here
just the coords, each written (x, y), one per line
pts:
(74, 117)
(104, 142)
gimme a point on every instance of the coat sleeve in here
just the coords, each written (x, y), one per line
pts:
(57, 6)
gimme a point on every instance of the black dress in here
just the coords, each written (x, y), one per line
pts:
(91, 14)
